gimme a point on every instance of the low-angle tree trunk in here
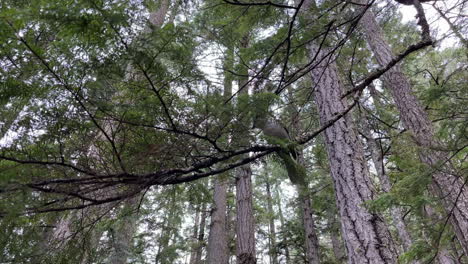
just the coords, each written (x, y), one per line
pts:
(193, 249)
(273, 252)
(365, 233)
(122, 235)
(245, 228)
(447, 185)
(217, 251)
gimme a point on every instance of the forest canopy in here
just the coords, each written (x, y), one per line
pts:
(243, 131)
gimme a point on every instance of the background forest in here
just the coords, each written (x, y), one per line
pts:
(233, 131)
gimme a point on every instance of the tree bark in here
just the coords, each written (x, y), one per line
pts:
(272, 234)
(217, 240)
(285, 239)
(122, 237)
(311, 240)
(193, 250)
(245, 228)
(245, 223)
(335, 236)
(365, 234)
(378, 161)
(201, 234)
(450, 187)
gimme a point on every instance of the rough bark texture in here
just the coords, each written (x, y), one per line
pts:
(272, 235)
(365, 234)
(448, 186)
(217, 240)
(245, 223)
(245, 229)
(335, 236)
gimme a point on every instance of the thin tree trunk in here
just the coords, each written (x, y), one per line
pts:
(122, 237)
(272, 234)
(378, 161)
(449, 187)
(193, 251)
(311, 240)
(310, 234)
(281, 217)
(365, 233)
(201, 234)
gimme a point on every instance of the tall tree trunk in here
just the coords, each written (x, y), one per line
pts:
(122, 237)
(283, 225)
(310, 234)
(450, 187)
(272, 234)
(201, 233)
(217, 240)
(245, 229)
(193, 250)
(378, 161)
(245, 223)
(311, 240)
(366, 236)
(218, 251)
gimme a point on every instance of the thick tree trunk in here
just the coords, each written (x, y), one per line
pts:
(365, 234)
(449, 187)
(272, 234)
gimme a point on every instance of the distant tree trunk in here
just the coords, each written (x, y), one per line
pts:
(167, 230)
(271, 219)
(201, 234)
(311, 240)
(193, 250)
(122, 235)
(443, 255)
(310, 233)
(450, 187)
(378, 161)
(365, 233)
(285, 239)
